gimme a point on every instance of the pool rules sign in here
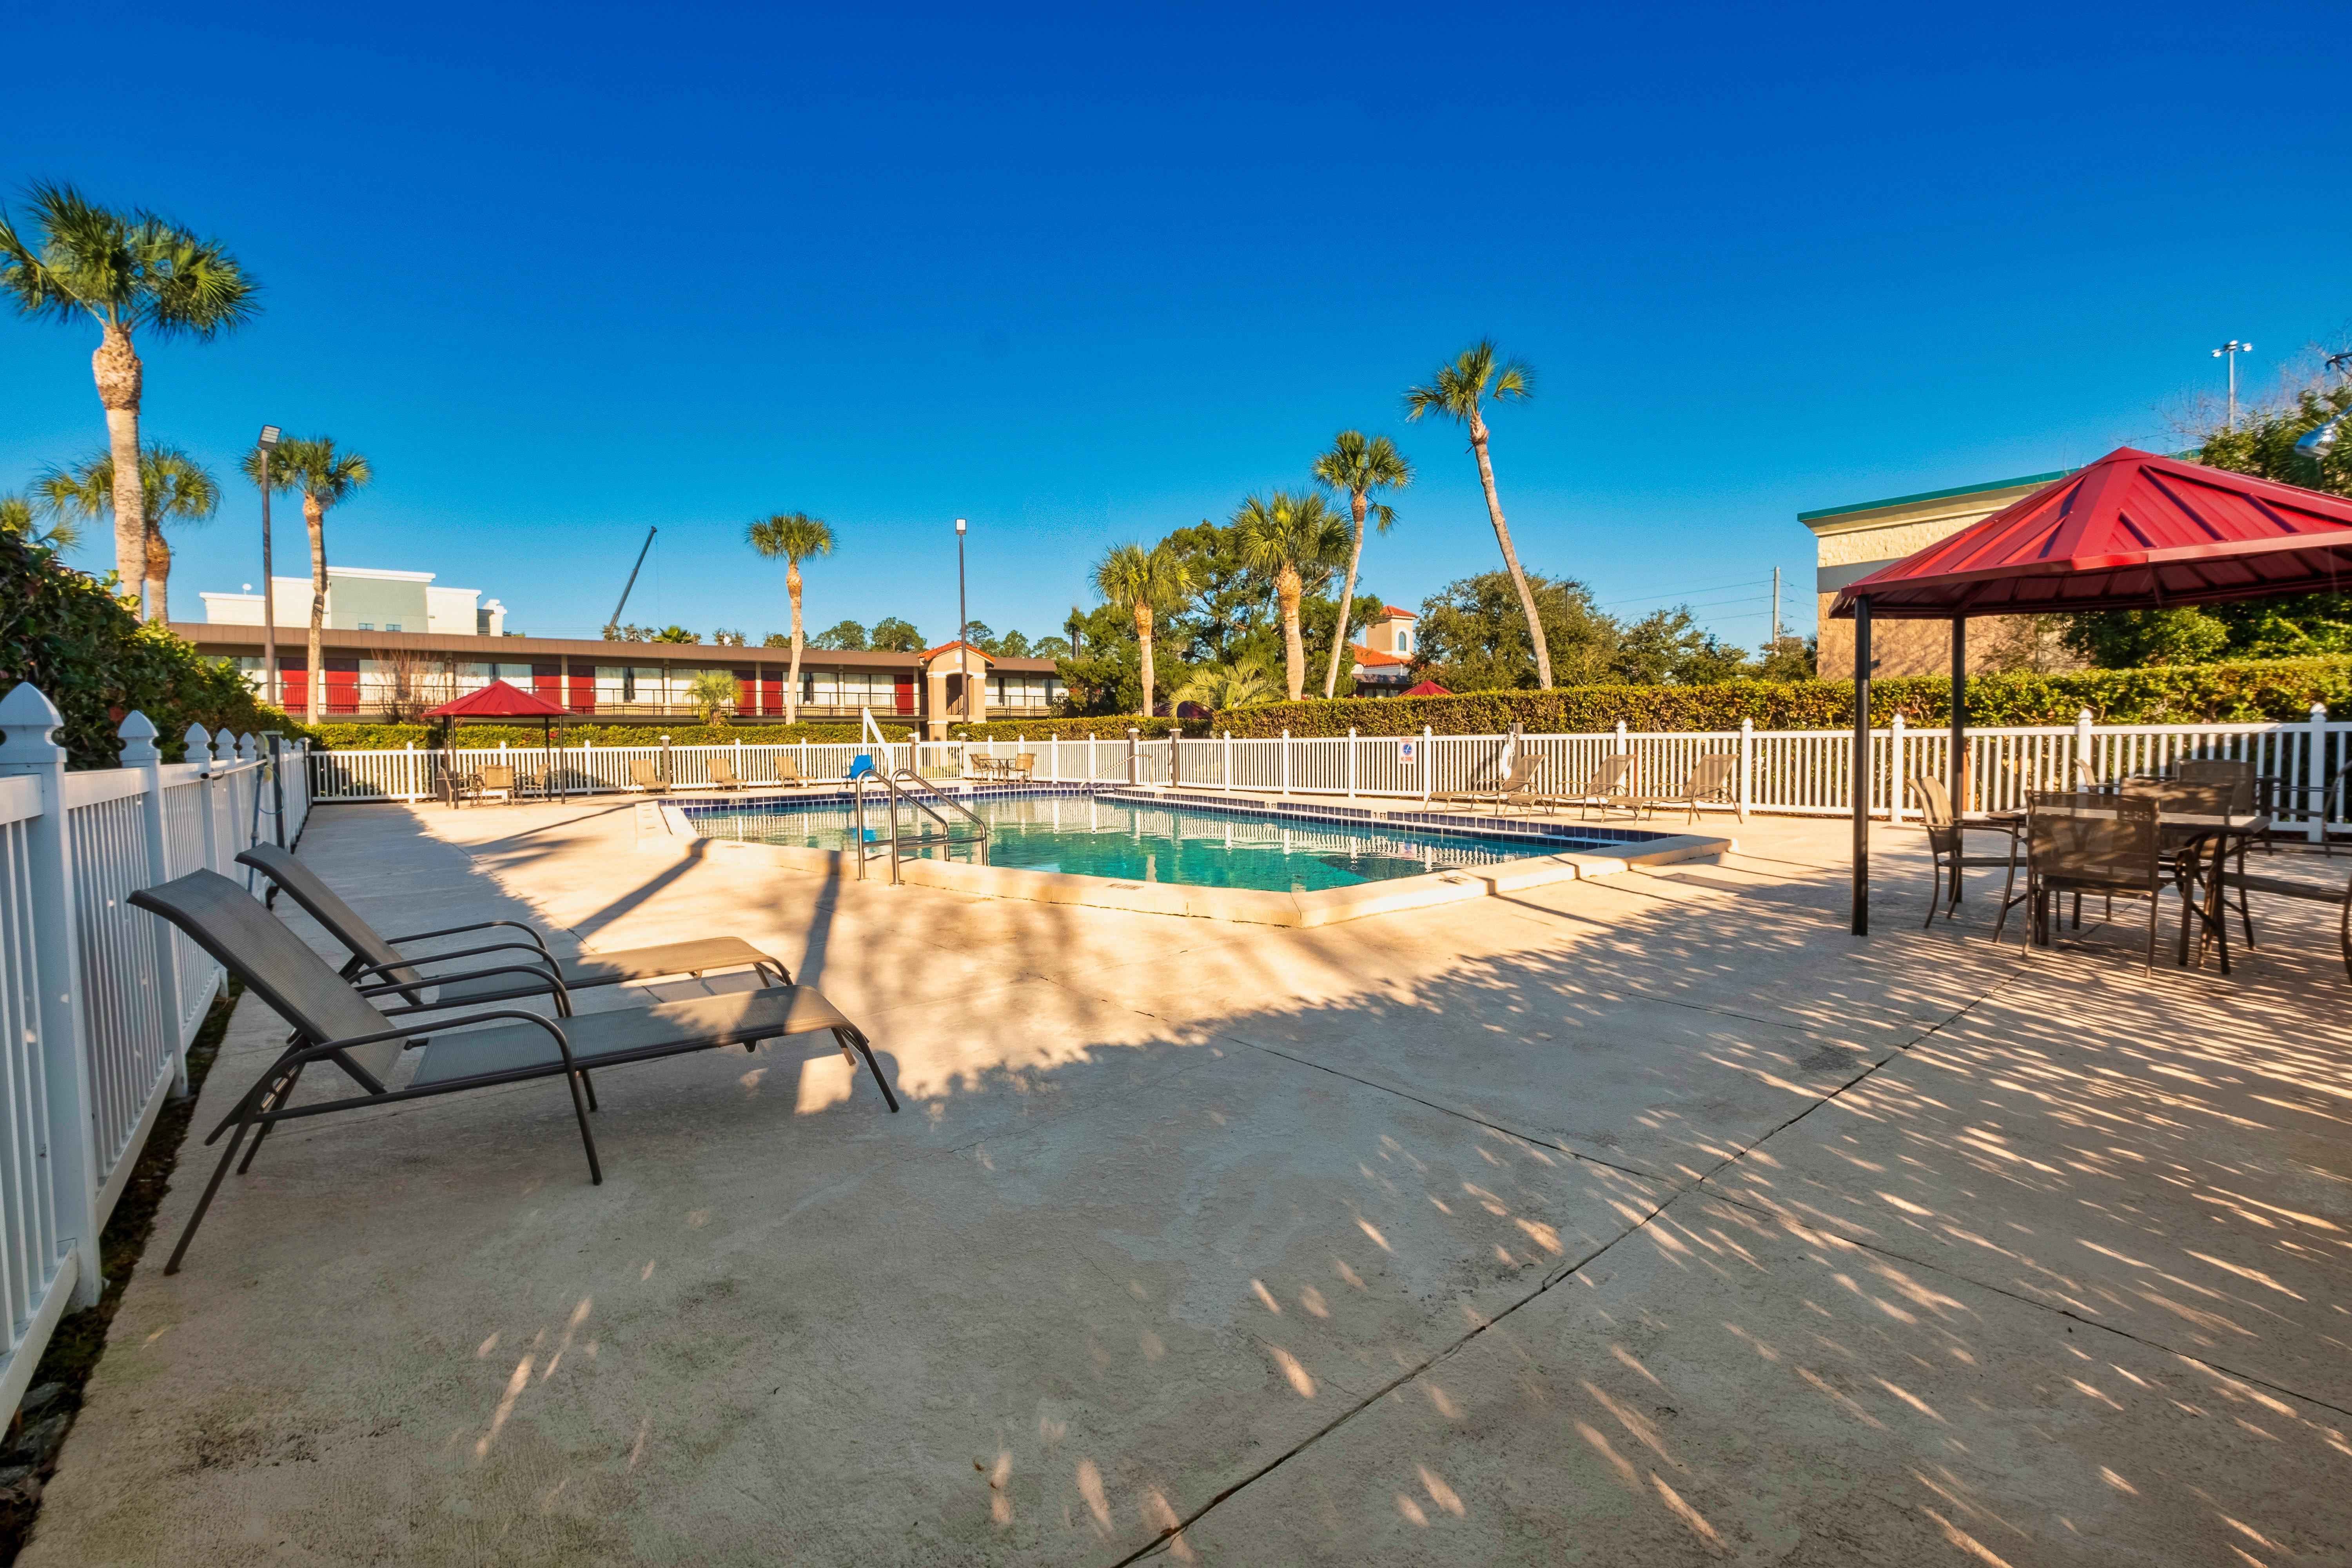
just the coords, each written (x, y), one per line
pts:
(1407, 752)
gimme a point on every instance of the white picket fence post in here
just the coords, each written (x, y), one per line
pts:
(1351, 762)
(1898, 771)
(1286, 761)
(1747, 766)
(2315, 772)
(1428, 763)
(137, 733)
(2082, 747)
(1227, 765)
(31, 723)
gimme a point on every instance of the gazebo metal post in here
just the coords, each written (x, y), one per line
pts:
(1960, 760)
(1861, 770)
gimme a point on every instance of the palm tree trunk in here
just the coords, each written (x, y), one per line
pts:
(1510, 556)
(1143, 636)
(115, 366)
(1287, 588)
(157, 575)
(793, 691)
(314, 517)
(1347, 598)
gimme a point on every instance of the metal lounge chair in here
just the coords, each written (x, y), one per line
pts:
(1709, 782)
(332, 1023)
(1607, 784)
(643, 776)
(1520, 783)
(377, 958)
(722, 775)
(788, 771)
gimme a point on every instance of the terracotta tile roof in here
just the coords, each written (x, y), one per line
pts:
(1371, 659)
(1393, 612)
(931, 654)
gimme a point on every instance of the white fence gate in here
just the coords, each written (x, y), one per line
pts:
(100, 1001)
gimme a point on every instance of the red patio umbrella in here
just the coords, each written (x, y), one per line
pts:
(2132, 531)
(501, 700)
(1429, 688)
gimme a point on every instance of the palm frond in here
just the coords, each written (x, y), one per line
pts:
(16, 520)
(128, 268)
(793, 535)
(310, 466)
(1128, 575)
(1300, 531)
(1224, 687)
(1475, 375)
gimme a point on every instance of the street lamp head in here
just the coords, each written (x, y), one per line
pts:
(2318, 443)
(958, 525)
(270, 434)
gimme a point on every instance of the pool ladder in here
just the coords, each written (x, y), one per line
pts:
(893, 794)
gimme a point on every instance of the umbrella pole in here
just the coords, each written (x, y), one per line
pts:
(1862, 769)
(1959, 759)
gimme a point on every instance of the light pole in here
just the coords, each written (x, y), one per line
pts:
(265, 445)
(2230, 351)
(963, 625)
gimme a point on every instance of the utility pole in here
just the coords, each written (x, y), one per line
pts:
(1776, 606)
(963, 625)
(2230, 351)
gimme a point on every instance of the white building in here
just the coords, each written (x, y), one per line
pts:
(363, 599)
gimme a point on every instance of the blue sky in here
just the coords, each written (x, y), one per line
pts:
(1089, 274)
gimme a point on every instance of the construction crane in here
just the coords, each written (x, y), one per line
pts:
(613, 626)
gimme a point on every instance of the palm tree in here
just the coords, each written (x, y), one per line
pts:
(795, 536)
(1291, 537)
(17, 522)
(1360, 465)
(172, 488)
(132, 271)
(710, 690)
(1221, 687)
(325, 479)
(1144, 582)
(1459, 391)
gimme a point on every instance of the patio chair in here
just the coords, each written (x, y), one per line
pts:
(642, 776)
(458, 786)
(1022, 768)
(2286, 888)
(1606, 785)
(722, 775)
(1520, 783)
(497, 779)
(376, 958)
(788, 771)
(1945, 844)
(2112, 848)
(2221, 794)
(2325, 801)
(1710, 782)
(332, 1023)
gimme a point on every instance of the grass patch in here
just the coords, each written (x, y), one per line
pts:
(81, 1338)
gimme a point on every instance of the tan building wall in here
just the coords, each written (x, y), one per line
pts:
(1852, 541)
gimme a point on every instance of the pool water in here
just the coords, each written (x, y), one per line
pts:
(1091, 837)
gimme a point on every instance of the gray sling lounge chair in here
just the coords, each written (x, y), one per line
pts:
(334, 1023)
(1520, 785)
(1604, 788)
(376, 957)
(722, 775)
(1708, 782)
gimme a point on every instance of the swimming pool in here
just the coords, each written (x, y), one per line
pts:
(1196, 844)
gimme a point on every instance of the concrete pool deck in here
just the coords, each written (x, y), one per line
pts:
(1651, 1219)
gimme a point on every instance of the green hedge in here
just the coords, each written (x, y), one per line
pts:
(67, 633)
(392, 737)
(1104, 727)
(2281, 689)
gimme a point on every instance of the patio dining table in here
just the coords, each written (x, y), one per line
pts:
(2199, 843)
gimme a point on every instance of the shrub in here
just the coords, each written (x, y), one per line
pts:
(2282, 689)
(68, 634)
(392, 737)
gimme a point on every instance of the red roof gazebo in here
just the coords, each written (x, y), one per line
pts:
(498, 700)
(2132, 531)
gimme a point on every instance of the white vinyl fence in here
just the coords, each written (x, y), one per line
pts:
(1803, 771)
(100, 1001)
